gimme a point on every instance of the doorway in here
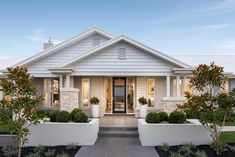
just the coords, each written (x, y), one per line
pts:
(119, 95)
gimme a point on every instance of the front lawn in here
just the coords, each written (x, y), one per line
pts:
(228, 136)
(230, 123)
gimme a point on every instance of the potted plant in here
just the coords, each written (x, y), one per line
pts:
(143, 107)
(95, 107)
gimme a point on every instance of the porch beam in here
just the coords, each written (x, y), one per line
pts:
(177, 86)
(168, 85)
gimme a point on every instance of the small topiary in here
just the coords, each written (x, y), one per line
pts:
(163, 116)
(153, 117)
(53, 114)
(76, 110)
(80, 117)
(177, 117)
(94, 101)
(63, 116)
(142, 100)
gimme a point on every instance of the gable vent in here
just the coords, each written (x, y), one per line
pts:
(122, 53)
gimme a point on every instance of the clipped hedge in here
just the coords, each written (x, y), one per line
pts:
(53, 115)
(153, 117)
(80, 117)
(76, 110)
(63, 116)
(163, 116)
(177, 117)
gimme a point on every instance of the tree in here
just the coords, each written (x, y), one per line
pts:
(22, 103)
(213, 105)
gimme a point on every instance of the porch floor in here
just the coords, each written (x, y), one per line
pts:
(118, 121)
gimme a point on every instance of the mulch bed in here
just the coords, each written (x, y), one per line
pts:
(58, 150)
(209, 151)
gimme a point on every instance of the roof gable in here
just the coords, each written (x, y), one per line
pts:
(63, 45)
(130, 41)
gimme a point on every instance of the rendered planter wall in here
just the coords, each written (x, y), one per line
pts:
(173, 134)
(52, 134)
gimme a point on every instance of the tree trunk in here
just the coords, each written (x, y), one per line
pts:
(19, 147)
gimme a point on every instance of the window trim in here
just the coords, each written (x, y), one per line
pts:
(122, 54)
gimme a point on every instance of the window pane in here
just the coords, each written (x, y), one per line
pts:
(85, 92)
(151, 91)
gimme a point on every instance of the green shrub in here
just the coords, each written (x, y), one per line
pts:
(44, 113)
(53, 114)
(62, 155)
(164, 147)
(185, 150)
(63, 116)
(94, 100)
(5, 115)
(175, 154)
(39, 149)
(71, 146)
(9, 151)
(76, 110)
(80, 117)
(163, 116)
(153, 117)
(50, 153)
(142, 100)
(177, 117)
(200, 153)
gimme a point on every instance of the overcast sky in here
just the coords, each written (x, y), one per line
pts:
(170, 26)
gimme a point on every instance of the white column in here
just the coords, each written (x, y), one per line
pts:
(67, 81)
(72, 82)
(184, 84)
(61, 81)
(177, 86)
(226, 87)
(168, 86)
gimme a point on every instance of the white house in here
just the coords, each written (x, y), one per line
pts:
(117, 70)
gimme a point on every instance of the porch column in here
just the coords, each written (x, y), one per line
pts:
(177, 86)
(168, 85)
(184, 84)
(226, 86)
(61, 81)
(67, 81)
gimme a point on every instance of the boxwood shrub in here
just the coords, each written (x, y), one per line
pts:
(76, 110)
(63, 116)
(80, 117)
(153, 117)
(177, 117)
(163, 116)
(53, 115)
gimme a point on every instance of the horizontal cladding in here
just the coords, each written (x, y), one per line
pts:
(106, 61)
(66, 53)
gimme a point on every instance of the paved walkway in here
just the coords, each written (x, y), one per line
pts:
(118, 121)
(229, 128)
(117, 147)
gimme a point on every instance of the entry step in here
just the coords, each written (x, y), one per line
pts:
(118, 132)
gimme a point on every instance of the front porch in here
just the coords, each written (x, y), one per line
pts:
(126, 121)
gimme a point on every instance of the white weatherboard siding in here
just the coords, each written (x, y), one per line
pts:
(160, 91)
(107, 63)
(67, 53)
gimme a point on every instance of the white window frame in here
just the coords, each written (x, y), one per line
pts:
(87, 103)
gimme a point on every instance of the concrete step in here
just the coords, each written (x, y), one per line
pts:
(118, 132)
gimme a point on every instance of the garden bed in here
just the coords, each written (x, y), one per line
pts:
(55, 133)
(58, 150)
(208, 150)
(151, 134)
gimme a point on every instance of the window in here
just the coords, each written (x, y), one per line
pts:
(51, 92)
(151, 91)
(85, 92)
(122, 53)
(96, 41)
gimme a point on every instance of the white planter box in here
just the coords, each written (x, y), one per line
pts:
(143, 111)
(52, 134)
(95, 111)
(173, 134)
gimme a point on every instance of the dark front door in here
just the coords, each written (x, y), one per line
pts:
(119, 95)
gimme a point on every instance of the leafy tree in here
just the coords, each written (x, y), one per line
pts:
(212, 106)
(22, 103)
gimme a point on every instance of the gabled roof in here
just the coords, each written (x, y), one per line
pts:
(64, 44)
(130, 41)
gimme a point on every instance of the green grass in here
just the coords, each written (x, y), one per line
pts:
(3, 128)
(230, 123)
(228, 137)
